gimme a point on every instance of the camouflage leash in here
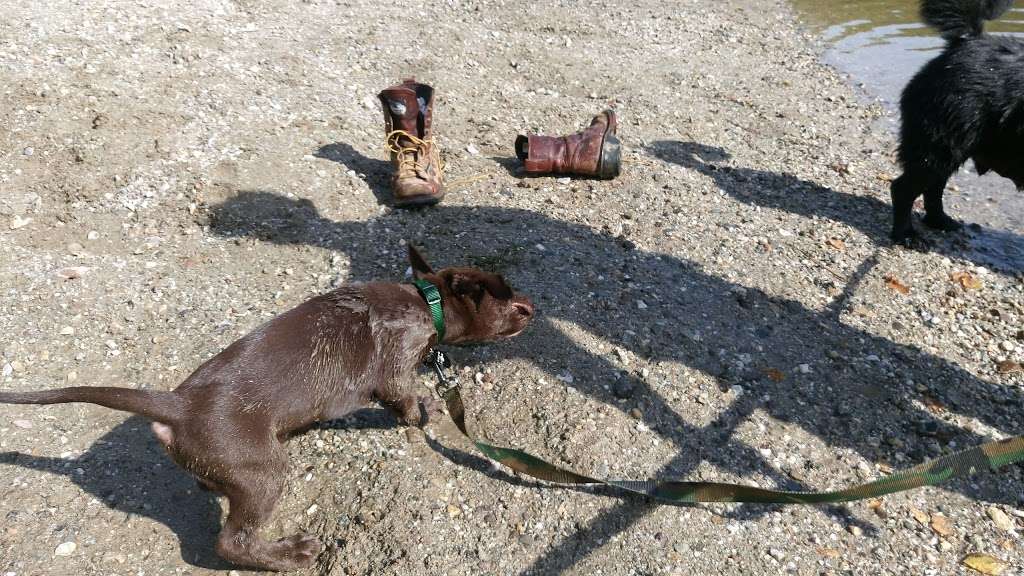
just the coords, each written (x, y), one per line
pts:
(992, 455)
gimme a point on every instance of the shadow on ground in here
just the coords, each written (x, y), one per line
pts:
(376, 173)
(999, 249)
(857, 395)
(130, 472)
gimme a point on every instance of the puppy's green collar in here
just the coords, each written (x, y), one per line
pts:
(432, 295)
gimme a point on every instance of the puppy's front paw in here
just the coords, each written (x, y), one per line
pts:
(942, 222)
(294, 552)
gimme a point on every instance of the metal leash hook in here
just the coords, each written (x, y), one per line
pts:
(440, 362)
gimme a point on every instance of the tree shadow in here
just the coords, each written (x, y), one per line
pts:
(376, 173)
(858, 390)
(989, 247)
(128, 471)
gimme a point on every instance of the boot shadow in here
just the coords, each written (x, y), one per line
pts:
(128, 471)
(511, 164)
(376, 173)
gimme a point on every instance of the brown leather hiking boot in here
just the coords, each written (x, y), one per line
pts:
(417, 161)
(593, 152)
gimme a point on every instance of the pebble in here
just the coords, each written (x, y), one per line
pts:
(65, 549)
(636, 413)
(623, 356)
(624, 389)
(23, 424)
(855, 530)
(28, 151)
(1000, 519)
(777, 554)
(19, 222)
(472, 150)
(67, 331)
(312, 510)
(72, 272)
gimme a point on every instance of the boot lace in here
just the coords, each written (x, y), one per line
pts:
(413, 153)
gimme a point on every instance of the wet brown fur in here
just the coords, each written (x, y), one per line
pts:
(321, 360)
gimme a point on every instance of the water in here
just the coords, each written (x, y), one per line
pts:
(881, 44)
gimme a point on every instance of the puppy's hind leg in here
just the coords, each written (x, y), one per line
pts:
(253, 491)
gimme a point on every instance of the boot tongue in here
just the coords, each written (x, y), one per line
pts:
(402, 106)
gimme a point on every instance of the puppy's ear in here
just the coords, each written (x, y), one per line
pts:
(418, 262)
(497, 287)
(462, 284)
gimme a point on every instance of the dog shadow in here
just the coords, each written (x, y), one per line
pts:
(989, 247)
(376, 173)
(128, 471)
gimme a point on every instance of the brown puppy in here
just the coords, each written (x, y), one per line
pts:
(321, 360)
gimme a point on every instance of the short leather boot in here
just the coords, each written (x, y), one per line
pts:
(593, 152)
(407, 116)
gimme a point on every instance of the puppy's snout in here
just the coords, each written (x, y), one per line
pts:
(523, 309)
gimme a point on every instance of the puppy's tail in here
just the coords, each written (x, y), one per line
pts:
(956, 19)
(165, 407)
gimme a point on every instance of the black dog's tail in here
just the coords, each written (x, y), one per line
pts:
(956, 19)
(163, 407)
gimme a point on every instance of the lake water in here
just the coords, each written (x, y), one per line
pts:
(881, 44)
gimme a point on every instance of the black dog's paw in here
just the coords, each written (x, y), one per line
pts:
(942, 222)
(911, 239)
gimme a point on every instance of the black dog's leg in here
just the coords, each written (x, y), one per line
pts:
(904, 191)
(935, 217)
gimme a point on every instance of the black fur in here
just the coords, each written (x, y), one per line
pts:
(967, 103)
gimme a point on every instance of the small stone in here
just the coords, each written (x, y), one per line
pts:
(1008, 367)
(623, 389)
(72, 272)
(640, 304)
(312, 510)
(454, 511)
(371, 102)
(92, 235)
(19, 222)
(1007, 346)
(67, 331)
(636, 413)
(65, 549)
(804, 368)
(855, 530)
(472, 150)
(1000, 519)
(623, 355)
(736, 389)
(75, 249)
(111, 344)
(28, 151)
(23, 424)
(777, 554)
(941, 525)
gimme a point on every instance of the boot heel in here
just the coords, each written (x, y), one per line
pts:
(611, 157)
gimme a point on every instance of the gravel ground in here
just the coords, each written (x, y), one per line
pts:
(173, 173)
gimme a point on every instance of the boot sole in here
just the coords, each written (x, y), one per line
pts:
(418, 201)
(609, 165)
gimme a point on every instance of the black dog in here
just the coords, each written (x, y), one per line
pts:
(966, 103)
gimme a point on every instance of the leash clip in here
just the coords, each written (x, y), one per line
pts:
(440, 362)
